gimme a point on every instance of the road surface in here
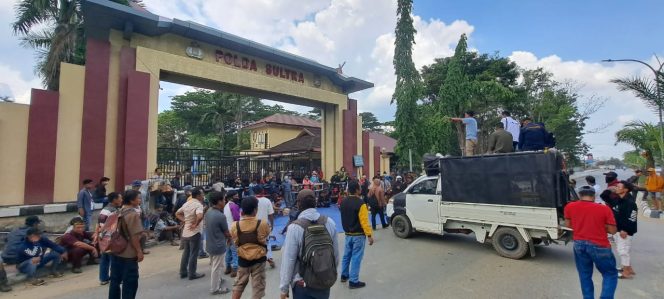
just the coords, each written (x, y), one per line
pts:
(424, 266)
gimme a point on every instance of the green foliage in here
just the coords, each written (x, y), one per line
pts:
(644, 137)
(408, 84)
(634, 159)
(54, 29)
(212, 120)
(370, 122)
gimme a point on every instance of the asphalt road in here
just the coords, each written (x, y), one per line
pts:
(424, 266)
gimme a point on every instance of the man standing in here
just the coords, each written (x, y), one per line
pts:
(590, 180)
(354, 218)
(500, 141)
(532, 137)
(655, 186)
(512, 126)
(636, 185)
(124, 266)
(216, 229)
(287, 188)
(266, 214)
(232, 213)
(471, 131)
(250, 236)
(100, 191)
(84, 202)
(299, 236)
(625, 212)
(591, 222)
(114, 203)
(191, 214)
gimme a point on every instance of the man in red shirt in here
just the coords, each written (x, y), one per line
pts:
(78, 243)
(591, 222)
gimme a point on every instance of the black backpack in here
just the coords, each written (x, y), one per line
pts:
(317, 264)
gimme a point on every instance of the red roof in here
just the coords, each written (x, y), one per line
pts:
(383, 141)
(285, 119)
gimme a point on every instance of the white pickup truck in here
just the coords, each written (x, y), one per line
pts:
(514, 201)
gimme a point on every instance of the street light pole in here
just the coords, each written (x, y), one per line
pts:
(658, 92)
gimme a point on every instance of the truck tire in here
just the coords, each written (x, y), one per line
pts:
(401, 226)
(509, 243)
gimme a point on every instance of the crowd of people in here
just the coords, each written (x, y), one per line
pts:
(509, 135)
(233, 227)
(605, 221)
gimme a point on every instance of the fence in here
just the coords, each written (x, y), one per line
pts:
(198, 167)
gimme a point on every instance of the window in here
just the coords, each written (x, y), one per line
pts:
(425, 187)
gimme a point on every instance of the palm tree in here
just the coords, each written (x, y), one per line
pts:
(54, 28)
(644, 137)
(220, 114)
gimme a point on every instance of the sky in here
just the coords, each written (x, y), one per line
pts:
(567, 38)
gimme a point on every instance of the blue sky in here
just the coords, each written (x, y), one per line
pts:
(590, 30)
(567, 38)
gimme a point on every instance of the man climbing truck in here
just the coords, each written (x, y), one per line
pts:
(514, 201)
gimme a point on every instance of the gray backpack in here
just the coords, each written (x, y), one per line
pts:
(317, 265)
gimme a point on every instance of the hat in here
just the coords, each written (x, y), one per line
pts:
(651, 169)
(304, 193)
(187, 188)
(611, 174)
(136, 183)
(399, 177)
(32, 220)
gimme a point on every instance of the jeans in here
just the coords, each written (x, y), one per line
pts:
(352, 260)
(309, 293)
(87, 218)
(201, 248)
(585, 255)
(189, 259)
(288, 198)
(124, 271)
(381, 213)
(104, 267)
(29, 269)
(231, 256)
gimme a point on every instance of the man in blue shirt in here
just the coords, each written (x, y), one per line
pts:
(471, 131)
(533, 136)
(84, 202)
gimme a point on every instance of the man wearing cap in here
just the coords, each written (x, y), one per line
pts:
(655, 186)
(84, 202)
(14, 241)
(611, 179)
(591, 222)
(634, 180)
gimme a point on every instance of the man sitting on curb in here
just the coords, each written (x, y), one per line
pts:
(33, 256)
(78, 244)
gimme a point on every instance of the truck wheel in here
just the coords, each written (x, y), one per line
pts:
(508, 242)
(401, 226)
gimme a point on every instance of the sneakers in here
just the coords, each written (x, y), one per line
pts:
(105, 282)
(76, 270)
(56, 274)
(5, 288)
(37, 282)
(197, 276)
(228, 270)
(344, 278)
(271, 262)
(203, 256)
(356, 285)
(221, 292)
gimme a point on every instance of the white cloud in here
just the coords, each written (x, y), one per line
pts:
(14, 82)
(594, 79)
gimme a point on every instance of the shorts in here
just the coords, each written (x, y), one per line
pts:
(655, 195)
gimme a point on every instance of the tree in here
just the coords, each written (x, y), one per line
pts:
(172, 130)
(370, 122)
(408, 83)
(54, 28)
(644, 137)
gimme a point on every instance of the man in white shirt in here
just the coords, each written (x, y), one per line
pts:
(512, 126)
(266, 213)
(191, 213)
(591, 182)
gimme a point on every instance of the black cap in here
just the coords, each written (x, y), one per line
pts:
(611, 174)
(32, 220)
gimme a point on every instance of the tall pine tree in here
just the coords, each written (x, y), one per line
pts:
(408, 85)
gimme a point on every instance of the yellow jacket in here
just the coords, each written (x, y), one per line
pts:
(654, 183)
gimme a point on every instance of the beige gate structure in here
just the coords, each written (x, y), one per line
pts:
(103, 120)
